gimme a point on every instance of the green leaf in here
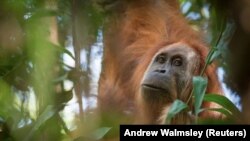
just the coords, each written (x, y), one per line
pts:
(220, 110)
(100, 133)
(199, 84)
(214, 55)
(60, 78)
(68, 53)
(223, 101)
(47, 114)
(61, 49)
(175, 108)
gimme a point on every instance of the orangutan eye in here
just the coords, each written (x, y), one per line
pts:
(177, 61)
(161, 59)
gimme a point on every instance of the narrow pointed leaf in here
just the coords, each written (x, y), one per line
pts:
(223, 101)
(175, 108)
(199, 84)
(100, 133)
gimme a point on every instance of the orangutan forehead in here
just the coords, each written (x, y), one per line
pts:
(178, 48)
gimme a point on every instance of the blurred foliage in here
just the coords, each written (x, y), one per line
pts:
(35, 37)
